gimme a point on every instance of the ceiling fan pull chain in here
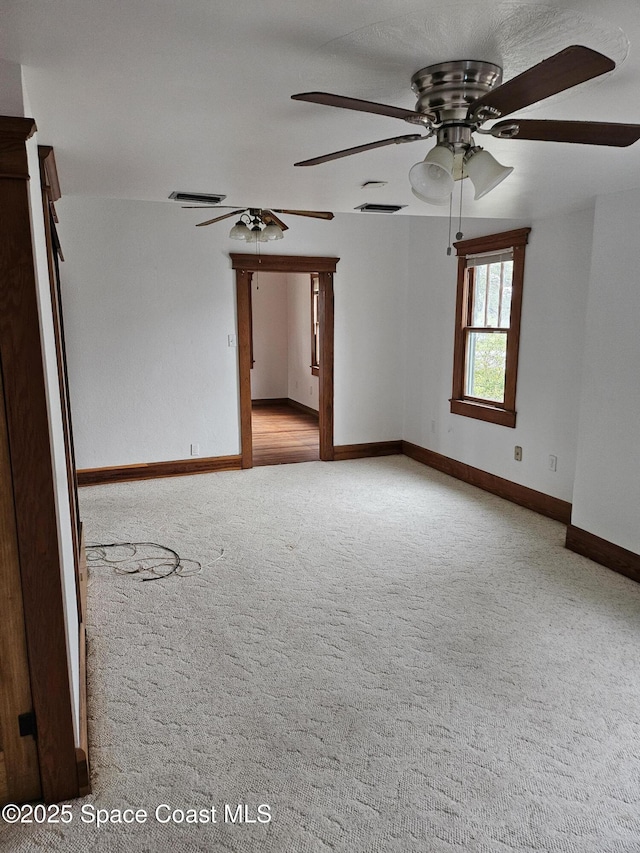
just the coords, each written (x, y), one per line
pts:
(450, 211)
(460, 235)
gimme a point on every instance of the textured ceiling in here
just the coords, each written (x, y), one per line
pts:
(141, 98)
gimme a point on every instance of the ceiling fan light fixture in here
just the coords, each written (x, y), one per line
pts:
(239, 231)
(484, 171)
(432, 179)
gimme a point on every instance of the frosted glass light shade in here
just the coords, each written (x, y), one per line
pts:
(239, 231)
(273, 232)
(432, 179)
(485, 172)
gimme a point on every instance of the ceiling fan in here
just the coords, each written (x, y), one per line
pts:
(256, 224)
(456, 98)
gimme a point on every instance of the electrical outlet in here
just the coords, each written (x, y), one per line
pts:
(195, 450)
(553, 463)
(517, 453)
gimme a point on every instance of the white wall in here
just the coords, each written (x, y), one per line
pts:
(302, 386)
(12, 98)
(269, 303)
(554, 303)
(606, 500)
(149, 306)
(149, 303)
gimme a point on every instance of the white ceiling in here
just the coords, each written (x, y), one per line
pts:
(142, 97)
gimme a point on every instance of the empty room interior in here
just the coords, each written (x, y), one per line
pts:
(319, 358)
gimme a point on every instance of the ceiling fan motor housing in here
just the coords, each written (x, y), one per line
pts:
(447, 89)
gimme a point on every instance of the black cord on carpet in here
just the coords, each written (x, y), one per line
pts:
(159, 565)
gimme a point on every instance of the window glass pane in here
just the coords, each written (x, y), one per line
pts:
(493, 301)
(479, 294)
(492, 295)
(485, 366)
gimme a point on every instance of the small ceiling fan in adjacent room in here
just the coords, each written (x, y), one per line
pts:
(456, 98)
(259, 225)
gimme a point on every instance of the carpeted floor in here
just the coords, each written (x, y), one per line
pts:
(384, 660)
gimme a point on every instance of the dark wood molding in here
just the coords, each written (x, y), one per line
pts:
(244, 266)
(530, 498)
(14, 133)
(604, 552)
(493, 242)
(245, 336)
(154, 470)
(326, 374)
(302, 408)
(366, 450)
(282, 263)
(270, 401)
(483, 412)
(34, 487)
(284, 401)
(49, 174)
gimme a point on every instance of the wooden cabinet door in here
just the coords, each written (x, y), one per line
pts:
(19, 770)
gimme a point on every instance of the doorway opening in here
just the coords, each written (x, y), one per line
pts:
(284, 367)
(246, 268)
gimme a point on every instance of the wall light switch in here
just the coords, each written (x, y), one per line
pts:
(233, 340)
(553, 463)
(517, 453)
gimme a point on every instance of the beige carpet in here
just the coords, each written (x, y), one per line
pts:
(387, 659)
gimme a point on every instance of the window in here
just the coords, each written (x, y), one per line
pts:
(485, 363)
(315, 324)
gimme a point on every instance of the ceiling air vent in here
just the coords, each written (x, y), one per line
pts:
(380, 208)
(197, 198)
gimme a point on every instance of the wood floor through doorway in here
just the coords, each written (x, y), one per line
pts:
(283, 434)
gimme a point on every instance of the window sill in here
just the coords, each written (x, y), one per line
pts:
(482, 412)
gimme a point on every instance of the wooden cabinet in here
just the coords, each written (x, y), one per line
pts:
(32, 567)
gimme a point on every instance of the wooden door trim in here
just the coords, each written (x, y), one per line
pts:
(244, 266)
(243, 297)
(33, 480)
(50, 194)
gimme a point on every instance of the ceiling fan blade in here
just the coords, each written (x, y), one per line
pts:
(269, 216)
(565, 69)
(330, 100)
(316, 214)
(206, 206)
(395, 140)
(219, 218)
(584, 132)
